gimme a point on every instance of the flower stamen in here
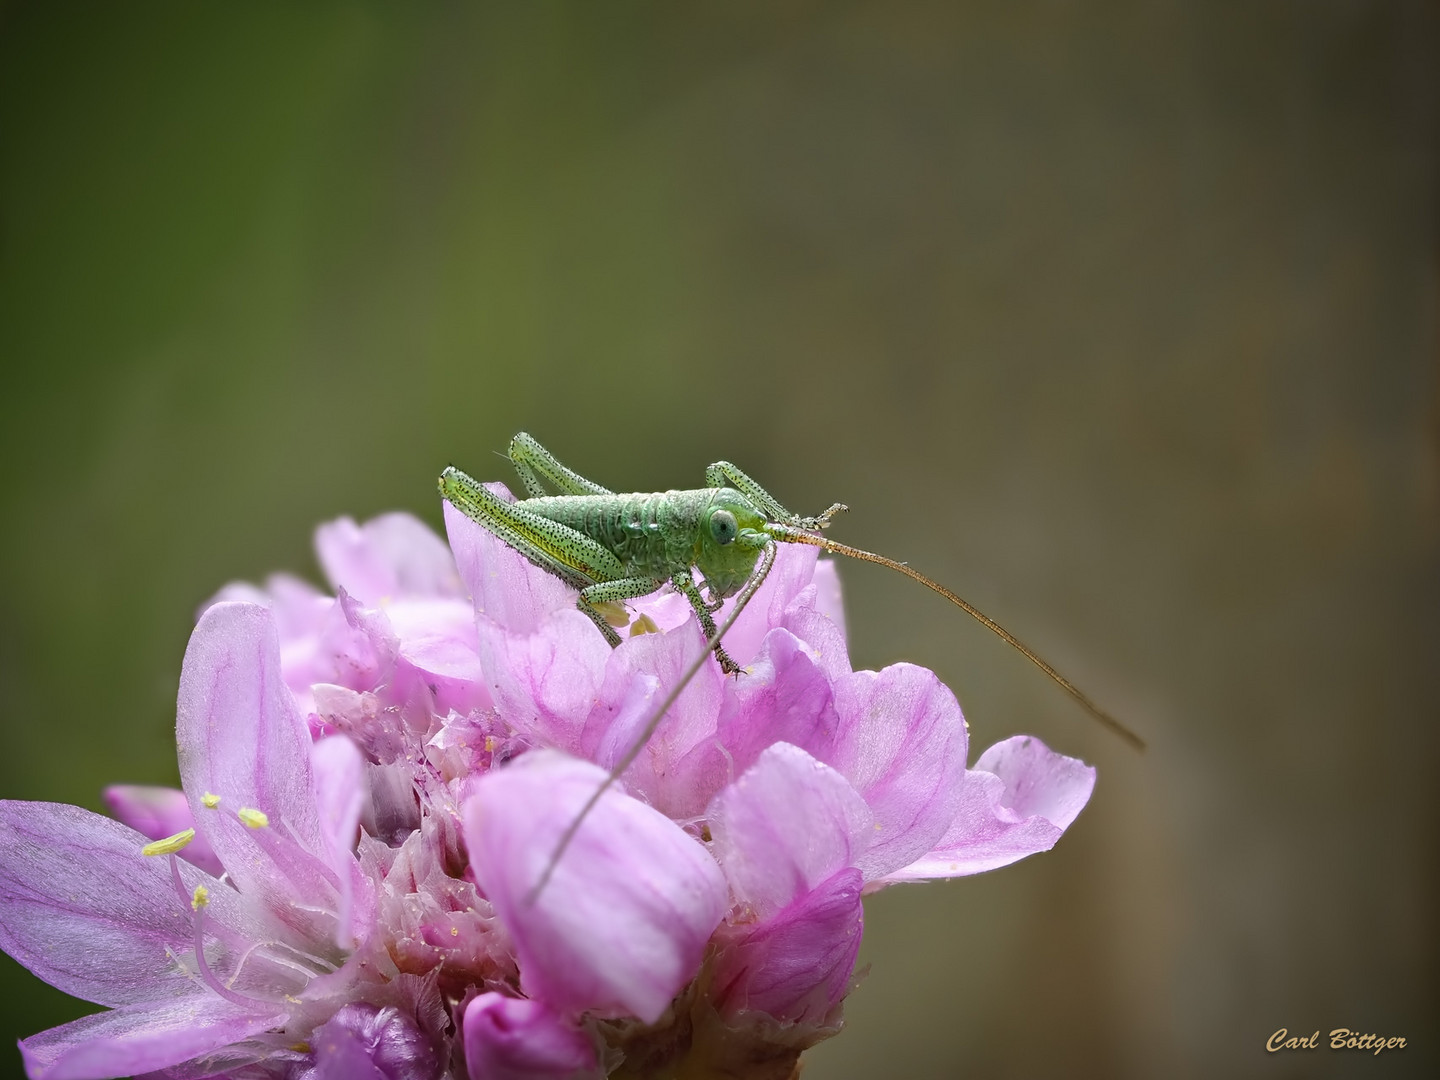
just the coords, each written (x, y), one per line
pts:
(170, 844)
(252, 818)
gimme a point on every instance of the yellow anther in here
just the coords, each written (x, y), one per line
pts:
(200, 899)
(170, 845)
(209, 801)
(490, 744)
(643, 624)
(255, 819)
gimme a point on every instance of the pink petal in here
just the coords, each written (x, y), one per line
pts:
(793, 569)
(1005, 815)
(1038, 781)
(390, 556)
(797, 965)
(83, 909)
(638, 676)
(340, 796)
(546, 682)
(828, 601)
(241, 739)
(158, 812)
(504, 585)
(622, 924)
(139, 1038)
(788, 824)
(438, 640)
(514, 1039)
(902, 746)
(784, 696)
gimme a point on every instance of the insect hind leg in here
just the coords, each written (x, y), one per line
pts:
(538, 467)
(725, 474)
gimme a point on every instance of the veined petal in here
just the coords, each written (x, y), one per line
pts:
(622, 923)
(243, 745)
(654, 663)
(86, 912)
(340, 793)
(902, 746)
(1019, 809)
(139, 1038)
(516, 1039)
(1038, 781)
(784, 697)
(504, 585)
(788, 824)
(794, 566)
(340, 796)
(389, 556)
(545, 682)
(158, 812)
(797, 965)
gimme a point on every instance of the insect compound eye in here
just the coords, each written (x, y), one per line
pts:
(723, 527)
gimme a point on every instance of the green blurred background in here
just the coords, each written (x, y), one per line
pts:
(1118, 318)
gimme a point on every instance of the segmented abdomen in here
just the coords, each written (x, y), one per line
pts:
(653, 534)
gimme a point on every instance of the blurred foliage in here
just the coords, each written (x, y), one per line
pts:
(1120, 319)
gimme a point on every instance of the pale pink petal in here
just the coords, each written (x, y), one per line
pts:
(788, 577)
(515, 1039)
(1002, 819)
(657, 662)
(438, 640)
(788, 824)
(83, 909)
(622, 924)
(785, 696)
(243, 743)
(828, 599)
(902, 746)
(340, 796)
(1038, 781)
(822, 637)
(140, 1038)
(545, 683)
(389, 556)
(340, 793)
(504, 585)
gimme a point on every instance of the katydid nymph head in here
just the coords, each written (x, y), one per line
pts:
(729, 540)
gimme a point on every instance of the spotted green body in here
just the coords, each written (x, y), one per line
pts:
(616, 547)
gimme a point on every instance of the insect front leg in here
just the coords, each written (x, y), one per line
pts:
(536, 464)
(724, 474)
(704, 612)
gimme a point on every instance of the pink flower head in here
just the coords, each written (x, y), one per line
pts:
(400, 617)
(379, 784)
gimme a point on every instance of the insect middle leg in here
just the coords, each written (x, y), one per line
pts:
(724, 474)
(704, 611)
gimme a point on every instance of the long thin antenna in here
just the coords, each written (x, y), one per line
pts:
(767, 557)
(795, 536)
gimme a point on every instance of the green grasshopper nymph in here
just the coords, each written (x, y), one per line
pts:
(616, 547)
